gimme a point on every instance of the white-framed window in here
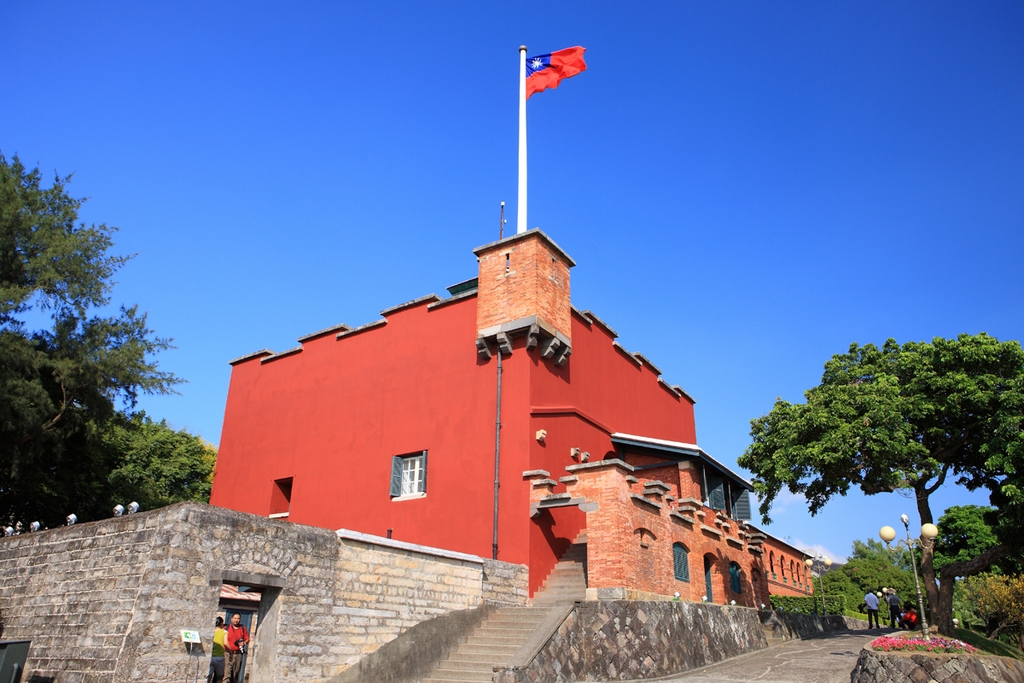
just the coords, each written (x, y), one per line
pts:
(409, 475)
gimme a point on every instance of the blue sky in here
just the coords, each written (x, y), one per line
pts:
(746, 187)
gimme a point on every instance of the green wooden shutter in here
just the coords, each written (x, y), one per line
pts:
(424, 471)
(716, 493)
(734, 578)
(681, 559)
(741, 506)
(396, 476)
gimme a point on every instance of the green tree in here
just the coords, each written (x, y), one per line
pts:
(61, 381)
(156, 465)
(965, 533)
(908, 417)
(871, 567)
(876, 550)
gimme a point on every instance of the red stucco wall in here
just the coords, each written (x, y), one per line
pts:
(332, 416)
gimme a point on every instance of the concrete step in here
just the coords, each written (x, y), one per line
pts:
(507, 632)
(559, 596)
(488, 657)
(556, 584)
(459, 677)
(566, 574)
(533, 615)
(457, 665)
(490, 643)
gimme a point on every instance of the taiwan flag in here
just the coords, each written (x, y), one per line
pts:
(547, 71)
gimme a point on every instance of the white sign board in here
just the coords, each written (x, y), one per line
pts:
(190, 637)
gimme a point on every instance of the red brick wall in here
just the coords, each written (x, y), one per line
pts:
(520, 277)
(630, 542)
(785, 570)
(579, 405)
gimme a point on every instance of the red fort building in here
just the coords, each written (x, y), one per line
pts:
(501, 422)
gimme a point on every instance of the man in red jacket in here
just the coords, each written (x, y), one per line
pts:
(234, 648)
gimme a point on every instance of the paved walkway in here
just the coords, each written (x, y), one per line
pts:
(827, 658)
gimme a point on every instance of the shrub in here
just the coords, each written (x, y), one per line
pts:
(809, 604)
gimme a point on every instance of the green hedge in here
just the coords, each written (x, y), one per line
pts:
(809, 604)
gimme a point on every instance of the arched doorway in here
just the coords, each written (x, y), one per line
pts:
(709, 563)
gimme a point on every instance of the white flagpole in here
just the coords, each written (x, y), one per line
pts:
(521, 206)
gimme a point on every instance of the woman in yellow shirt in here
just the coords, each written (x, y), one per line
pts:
(220, 635)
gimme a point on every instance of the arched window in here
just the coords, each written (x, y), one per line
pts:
(782, 566)
(681, 560)
(791, 571)
(771, 562)
(734, 578)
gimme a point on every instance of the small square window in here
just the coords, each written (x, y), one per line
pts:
(409, 474)
(281, 498)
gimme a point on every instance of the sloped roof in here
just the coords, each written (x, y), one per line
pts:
(680, 448)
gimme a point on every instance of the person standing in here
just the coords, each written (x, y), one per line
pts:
(893, 601)
(216, 674)
(237, 639)
(871, 600)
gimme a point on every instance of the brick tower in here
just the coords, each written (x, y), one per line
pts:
(523, 288)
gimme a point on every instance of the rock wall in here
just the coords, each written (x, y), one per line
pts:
(106, 601)
(620, 640)
(907, 667)
(787, 625)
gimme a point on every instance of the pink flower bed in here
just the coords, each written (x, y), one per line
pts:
(919, 644)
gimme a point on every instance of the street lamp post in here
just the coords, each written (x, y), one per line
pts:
(824, 564)
(928, 534)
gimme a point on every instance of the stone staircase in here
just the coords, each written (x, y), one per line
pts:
(568, 580)
(492, 644)
(501, 634)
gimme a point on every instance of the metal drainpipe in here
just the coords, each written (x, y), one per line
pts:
(497, 458)
(706, 492)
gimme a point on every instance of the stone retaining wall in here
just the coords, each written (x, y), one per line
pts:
(915, 667)
(788, 625)
(620, 640)
(106, 601)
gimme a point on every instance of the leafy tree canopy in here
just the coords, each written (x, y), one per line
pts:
(871, 567)
(156, 465)
(62, 378)
(876, 550)
(908, 418)
(965, 533)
